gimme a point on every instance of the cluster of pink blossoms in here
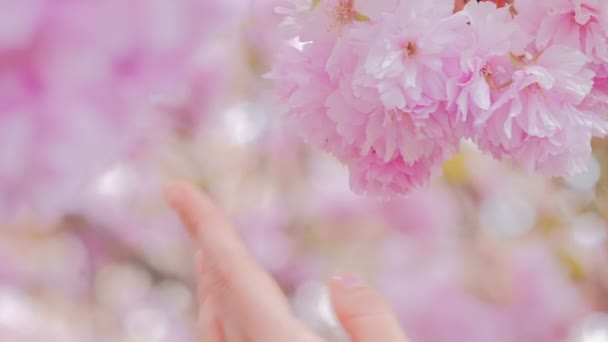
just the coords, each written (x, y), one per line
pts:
(391, 87)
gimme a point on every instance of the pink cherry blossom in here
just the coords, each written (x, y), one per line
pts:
(537, 120)
(581, 24)
(406, 54)
(485, 66)
(335, 90)
(303, 87)
(392, 88)
(328, 20)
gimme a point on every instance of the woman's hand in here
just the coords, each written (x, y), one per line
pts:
(240, 302)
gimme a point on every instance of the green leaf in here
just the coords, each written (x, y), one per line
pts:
(315, 3)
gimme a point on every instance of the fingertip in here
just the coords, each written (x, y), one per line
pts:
(180, 196)
(174, 194)
(362, 311)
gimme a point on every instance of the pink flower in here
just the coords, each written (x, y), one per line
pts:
(485, 66)
(596, 105)
(393, 153)
(525, 106)
(537, 120)
(302, 87)
(328, 20)
(392, 89)
(581, 24)
(373, 176)
(406, 57)
(387, 151)
(333, 89)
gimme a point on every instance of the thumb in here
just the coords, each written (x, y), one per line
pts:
(363, 313)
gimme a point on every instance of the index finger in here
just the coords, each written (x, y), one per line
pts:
(247, 290)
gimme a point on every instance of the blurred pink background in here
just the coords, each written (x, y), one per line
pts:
(103, 103)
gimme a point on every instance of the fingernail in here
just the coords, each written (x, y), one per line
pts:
(349, 281)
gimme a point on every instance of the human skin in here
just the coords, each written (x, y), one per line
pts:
(239, 301)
